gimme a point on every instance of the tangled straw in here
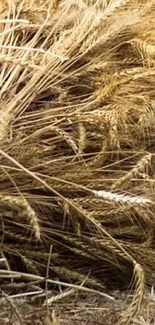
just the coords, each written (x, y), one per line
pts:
(77, 149)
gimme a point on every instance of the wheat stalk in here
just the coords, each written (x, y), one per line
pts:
(31, 49)
(6, 21)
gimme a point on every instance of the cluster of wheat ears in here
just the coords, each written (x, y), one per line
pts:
(77, 143)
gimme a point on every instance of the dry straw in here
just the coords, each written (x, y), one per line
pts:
(77, 147)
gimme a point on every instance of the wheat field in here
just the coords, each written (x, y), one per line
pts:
(77, 156)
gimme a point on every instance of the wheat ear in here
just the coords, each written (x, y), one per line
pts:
(64, 135)
(22, 203)
(144, 49)
(121, 198)
(137, 299)
(4, 123)
(82, 138)
(140, 167)
(14, 61)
